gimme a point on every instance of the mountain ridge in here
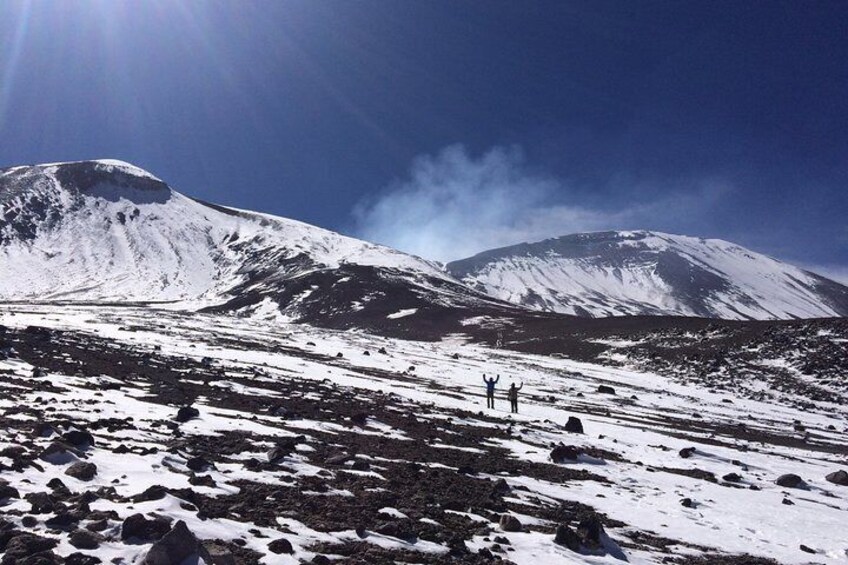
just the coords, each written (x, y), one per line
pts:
(105, 231)
(643, 272)
(108, 231)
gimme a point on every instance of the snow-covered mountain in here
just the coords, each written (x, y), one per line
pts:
(642, 272)
(107, 231)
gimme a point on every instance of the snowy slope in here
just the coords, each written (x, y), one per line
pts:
(641, 272)
(108, 231)
(394, 465)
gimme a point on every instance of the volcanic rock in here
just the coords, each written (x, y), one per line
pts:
(838, 478)
(790, 480)
(574, 425)
(82, 470)
(510, 523)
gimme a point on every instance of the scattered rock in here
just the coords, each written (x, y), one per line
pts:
(806, 549)
(687, 503)
(7, 491)
(186, 413)
(589, 530)
(510, 523)
(567, 537)
(82, 470)
(202, 481)
(361, 465)
(144, 529)
(62, 521)
(732, 478)
(790, 480)
(838, 478)
(502, 487)
(574, 425)
(154, 492)
(687, 452)
(562, 453)
(59, 453)
(30, 548)
(174, 547)
(79, 439)
(281, 545)
(284, 448)
(336, 460)
(85, 539)
(605, 389)
(82, 559)
(41, 502)
(216, 553)
(198, 464)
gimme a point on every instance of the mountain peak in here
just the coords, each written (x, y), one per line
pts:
(107, 165)
(616, 273)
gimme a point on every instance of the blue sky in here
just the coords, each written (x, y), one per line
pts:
(446, 127)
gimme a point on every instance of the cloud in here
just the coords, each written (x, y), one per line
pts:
(454, 205)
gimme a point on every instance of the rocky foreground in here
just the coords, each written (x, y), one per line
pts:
(141, 436)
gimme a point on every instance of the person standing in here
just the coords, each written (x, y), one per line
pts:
(490, 390)
(512, 395)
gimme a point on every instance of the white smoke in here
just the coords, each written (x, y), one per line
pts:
(454, 205)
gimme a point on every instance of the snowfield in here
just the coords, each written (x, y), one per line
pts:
(359, 447)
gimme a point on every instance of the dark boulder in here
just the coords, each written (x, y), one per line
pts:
(41, 502)
(198, 464)
(62, 521)
(361, 465)
(82, 559)
(186, 413)
(567, 537)
(790, 480)
(7, 491)
(59, 453)
(58, 487)
(281, 545)
(82, 470)
(217, 553)
(589, 529)
(30, 549)
(79, 439)
(501, 487)
(284, 448)
(562, 453)
(174, 547)
(85, 539)
(838, 478)
(687, 452)
(143, 529)
(604, 389)
(732, 478)
(574, 425)
(154, 492)
(202, 481)
(509, 523)
(687, 503)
